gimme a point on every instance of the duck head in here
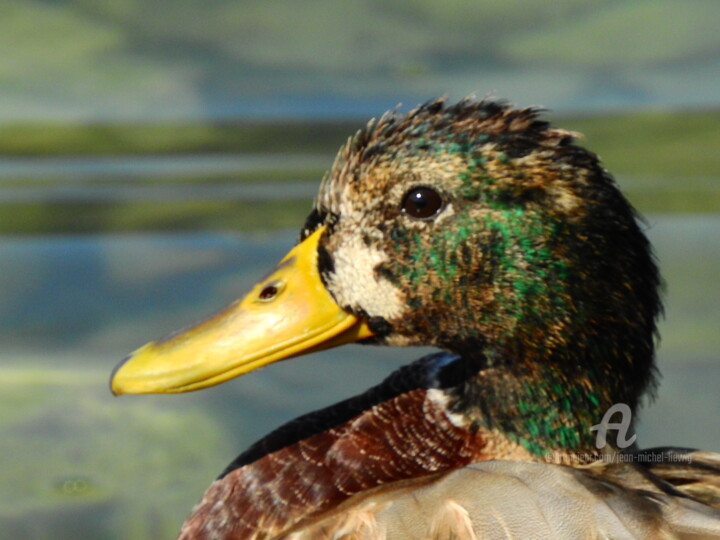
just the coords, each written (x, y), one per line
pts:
(476, 228)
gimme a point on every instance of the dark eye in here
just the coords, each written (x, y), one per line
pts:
(422, 203)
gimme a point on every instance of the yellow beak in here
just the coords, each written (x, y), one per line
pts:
(287, 314)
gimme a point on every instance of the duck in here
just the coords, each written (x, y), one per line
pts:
(481, 230)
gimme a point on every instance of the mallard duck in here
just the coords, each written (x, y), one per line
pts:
(479, 229)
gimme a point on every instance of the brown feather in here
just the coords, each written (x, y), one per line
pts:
(408, 436)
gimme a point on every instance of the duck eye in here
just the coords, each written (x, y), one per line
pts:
(422, 203)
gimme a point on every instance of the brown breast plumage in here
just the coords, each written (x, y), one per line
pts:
(393, 432)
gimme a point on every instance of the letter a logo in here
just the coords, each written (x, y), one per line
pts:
(622, 427)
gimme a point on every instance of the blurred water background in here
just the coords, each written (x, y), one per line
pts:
(156, 159)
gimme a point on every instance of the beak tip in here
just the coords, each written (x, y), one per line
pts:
(115, 387)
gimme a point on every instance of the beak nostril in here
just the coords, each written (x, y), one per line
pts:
(269, 292)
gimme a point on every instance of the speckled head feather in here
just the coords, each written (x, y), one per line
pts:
(534, 261)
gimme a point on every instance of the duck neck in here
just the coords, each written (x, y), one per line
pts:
(547, 410)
